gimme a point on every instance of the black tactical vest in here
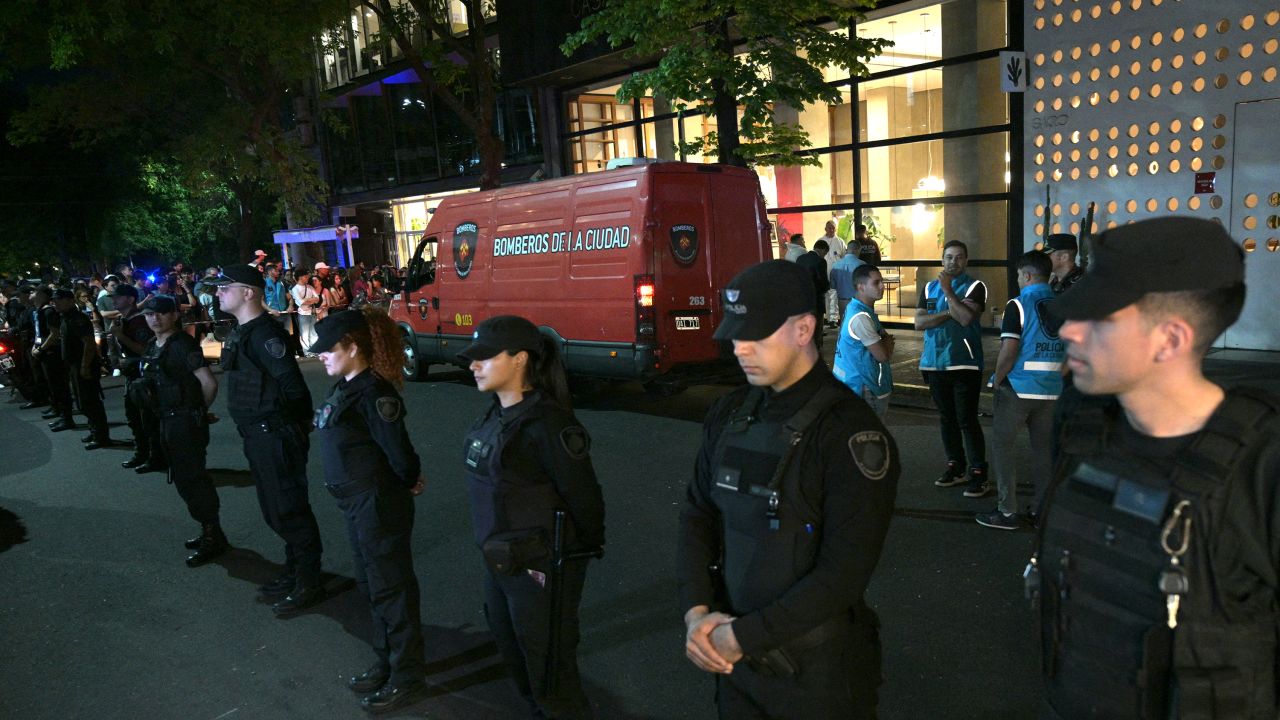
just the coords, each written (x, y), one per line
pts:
(250, 391)
(1104, 543)
(503, 500)
(771, 531)
(166, 390)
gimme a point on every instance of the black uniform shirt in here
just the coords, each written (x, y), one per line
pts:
(367, 437)
(855, 513)
(76, 330)
(46, 319)
(179, 359)
(263, 344)
(551, 442)
(1064, 284)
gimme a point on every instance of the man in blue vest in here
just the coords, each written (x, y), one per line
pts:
(864, 348)
(949, 311)
(1027, 381)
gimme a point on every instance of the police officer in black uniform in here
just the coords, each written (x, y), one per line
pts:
(785, 518)
(47, 351)
(178, 387)
(271, 406)
(1157, 566)
(131, 334)
(372, 470)
(526, 458)
(83, 364)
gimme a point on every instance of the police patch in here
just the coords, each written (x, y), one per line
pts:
(870, 450)
(275, 347)
(576, 442)
(389, 408)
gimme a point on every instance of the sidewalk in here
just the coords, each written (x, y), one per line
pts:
(1228, 368)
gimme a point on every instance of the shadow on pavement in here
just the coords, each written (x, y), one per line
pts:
(226, 477)
(12, 531)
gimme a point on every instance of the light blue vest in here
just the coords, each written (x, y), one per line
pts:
(951, 346)
(1037, 374)
(853, 364)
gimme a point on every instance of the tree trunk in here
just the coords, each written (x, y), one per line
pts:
(725, 102)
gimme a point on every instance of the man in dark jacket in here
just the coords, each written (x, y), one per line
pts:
(815, 262)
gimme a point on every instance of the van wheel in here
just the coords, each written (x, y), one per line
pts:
(664, 388)
(413, 368)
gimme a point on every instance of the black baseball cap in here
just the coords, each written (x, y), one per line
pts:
(760, 299)
(1061, 241)
(163, 304)
(1168, 254)
(509, 333)
(238, 275)
(336, 326)
(124, 289)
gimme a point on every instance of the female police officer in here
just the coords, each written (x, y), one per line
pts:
(370, 467)
(528, 458)
(177, 387)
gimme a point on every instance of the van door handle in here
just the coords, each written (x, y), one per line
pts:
(435, 303)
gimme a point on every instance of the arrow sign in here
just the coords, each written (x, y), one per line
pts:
(1013, 71)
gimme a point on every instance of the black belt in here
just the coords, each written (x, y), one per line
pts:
(346, 490)
(261, 428)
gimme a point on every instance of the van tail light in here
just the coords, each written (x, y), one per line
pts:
(3, 348)
(644, 306)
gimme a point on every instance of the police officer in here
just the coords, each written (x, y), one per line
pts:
(1026, 382)
(371, 468)
(1061, 249)
(785, 518)
(84, 368)
(1156, 567)
(178, 388)
(526, 458)
(48, 353)
(131, 334)
(271, 406)
(949, 311)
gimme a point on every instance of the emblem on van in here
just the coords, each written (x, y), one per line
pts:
(731, 294)
(464, 248)
(684, 243)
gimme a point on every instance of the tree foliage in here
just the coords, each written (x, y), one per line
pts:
(729, 56)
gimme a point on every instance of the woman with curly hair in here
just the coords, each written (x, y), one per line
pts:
(372, 470)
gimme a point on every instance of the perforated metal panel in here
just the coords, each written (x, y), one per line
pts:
(1129, 99)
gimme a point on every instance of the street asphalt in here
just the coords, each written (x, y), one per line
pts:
(100, 618)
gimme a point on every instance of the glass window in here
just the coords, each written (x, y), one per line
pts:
(934, 32)
(377, 147)
(973, 165)
(415, 147)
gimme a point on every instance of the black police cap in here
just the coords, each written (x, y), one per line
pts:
(163, 304)
(238, 275)
(336, 326)
(1061, 241)
(761, 298)
(502, 333)
(1168, 254)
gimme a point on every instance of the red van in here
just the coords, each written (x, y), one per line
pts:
(623, 267)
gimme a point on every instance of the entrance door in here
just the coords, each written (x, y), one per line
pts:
(1255, 221)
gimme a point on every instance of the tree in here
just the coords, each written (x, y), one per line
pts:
(723, 56)
(462, 72)
(205, 86)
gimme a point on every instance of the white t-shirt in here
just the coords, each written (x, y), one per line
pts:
(300, 293)
(861, 329)
(837, 246)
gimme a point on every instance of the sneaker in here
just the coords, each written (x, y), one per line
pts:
(977, 490)
(998, 520)
(951, 476)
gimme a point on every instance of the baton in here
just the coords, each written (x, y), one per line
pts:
(558, 557)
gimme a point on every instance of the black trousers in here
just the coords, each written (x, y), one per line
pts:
(26, 373)
(89, 397)
(55, 378)
(519, 612)
(145, 426)
(278, 463)
(380, 528)
(836, 680)
(956, 393)
(185, 435)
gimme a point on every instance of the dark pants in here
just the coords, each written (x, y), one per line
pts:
(55, 378)
(185, 435)
(380, 528)
(278, 462)
(145, 427)
(519, 613)
(26, 374)
(836, 680)
(89, 397)
(956, 392)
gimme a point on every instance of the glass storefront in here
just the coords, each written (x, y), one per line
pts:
(411, 216)
(919, 149)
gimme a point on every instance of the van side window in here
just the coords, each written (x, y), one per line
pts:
(422, 269)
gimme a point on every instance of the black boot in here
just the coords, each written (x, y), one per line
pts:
(212, 544)
(151, 466)
(302, 597)
(139, 460)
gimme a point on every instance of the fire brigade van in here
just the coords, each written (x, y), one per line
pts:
(622, 267)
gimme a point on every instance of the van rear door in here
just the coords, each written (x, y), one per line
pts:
(684, 240)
